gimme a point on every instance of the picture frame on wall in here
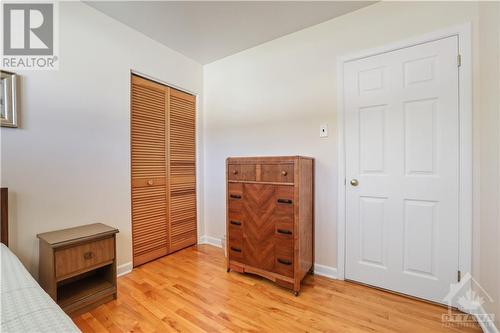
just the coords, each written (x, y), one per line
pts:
(9, 104)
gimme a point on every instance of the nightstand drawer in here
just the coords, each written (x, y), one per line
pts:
(74, 259)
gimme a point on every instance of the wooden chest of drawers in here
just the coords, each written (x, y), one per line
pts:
(270, 228)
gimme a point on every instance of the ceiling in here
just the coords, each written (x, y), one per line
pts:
(207, 31)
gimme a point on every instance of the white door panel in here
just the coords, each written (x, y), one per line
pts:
(402, 145)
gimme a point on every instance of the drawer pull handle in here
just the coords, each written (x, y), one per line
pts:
(235, 249)
(236, 222)
(285, 262)
(284, 173)
(235, 172)
(285, 232)
(285, 201)
(150, 182)
(235, 196)
(87, 255)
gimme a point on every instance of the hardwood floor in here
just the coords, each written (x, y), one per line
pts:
(190, 291)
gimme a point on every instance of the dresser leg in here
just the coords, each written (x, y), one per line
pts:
(228, 269)
(311, 271)
(296, 293)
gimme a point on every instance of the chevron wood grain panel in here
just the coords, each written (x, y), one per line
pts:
(258, 246)
(270, 217)
(182, 169)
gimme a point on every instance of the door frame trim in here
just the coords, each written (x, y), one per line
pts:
(463, 32)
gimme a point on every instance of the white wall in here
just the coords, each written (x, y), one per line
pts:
(272, 98)
(495, 258)
(497, 310)
(488, 241)
(69, 163)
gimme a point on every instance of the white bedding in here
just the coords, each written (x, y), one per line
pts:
(25, 306)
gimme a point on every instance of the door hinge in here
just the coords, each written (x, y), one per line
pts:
(459, 60)
(459, 276)
(345, 181)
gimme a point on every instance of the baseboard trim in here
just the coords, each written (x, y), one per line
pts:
(322, 270)
(210, 241)
(326, 271)
(487, 326)
(124, 269)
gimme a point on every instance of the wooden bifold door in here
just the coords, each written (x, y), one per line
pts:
(163, 142)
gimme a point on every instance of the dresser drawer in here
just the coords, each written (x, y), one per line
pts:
(284, 203)
(77, 258)
(235, 250)
(244, 172)
(235, 198)
(235, 237)
(283, 256)
(283, 230)
(235, 221)
(277, 173)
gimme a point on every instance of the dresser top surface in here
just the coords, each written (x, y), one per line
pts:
(264, 159)
(83, 232)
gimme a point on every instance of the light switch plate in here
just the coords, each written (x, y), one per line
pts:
(323, 131)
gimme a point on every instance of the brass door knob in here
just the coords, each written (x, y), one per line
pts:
(354, 182)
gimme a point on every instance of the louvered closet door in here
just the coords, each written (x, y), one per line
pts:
(182, 170)
(149, 168)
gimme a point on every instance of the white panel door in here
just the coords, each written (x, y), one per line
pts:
(402, 147)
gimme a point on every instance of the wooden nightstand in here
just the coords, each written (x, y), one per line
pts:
(77, 266)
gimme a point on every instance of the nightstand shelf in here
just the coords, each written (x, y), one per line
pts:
(71, 290)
